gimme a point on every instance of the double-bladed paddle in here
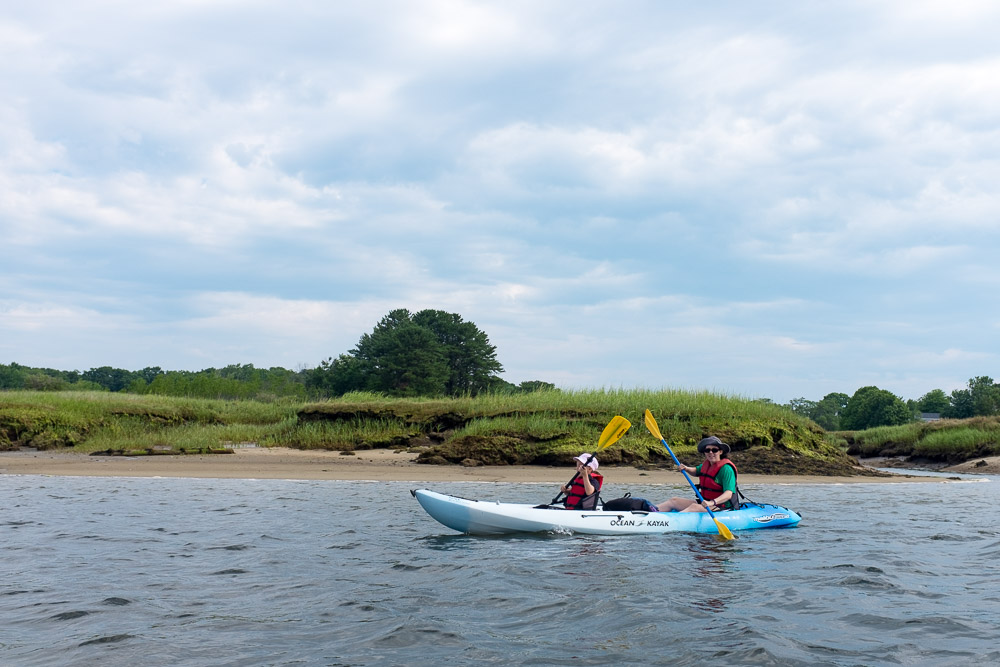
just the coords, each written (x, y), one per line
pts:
(654, 428)
(612, 432)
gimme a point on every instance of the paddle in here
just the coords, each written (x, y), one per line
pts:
(615, 429)
(655, 430)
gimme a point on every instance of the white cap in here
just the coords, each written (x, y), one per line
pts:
(587, 459)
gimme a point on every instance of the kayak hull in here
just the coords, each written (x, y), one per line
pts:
(480, 517)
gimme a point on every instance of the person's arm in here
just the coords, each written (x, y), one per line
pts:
(727, 480)
(588, 486)
(720, 501)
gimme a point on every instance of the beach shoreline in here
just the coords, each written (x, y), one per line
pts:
(371, 465)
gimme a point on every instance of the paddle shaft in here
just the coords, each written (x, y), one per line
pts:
(693, 487)
(615, 429)
(570, 482)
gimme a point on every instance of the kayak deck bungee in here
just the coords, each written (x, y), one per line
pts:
(481, 517)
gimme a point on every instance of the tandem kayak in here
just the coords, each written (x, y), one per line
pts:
(482, 517)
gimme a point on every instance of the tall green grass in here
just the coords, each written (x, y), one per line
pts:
(340, 435)
(609, 402)
(963, 441)
(947, 439)
(97, 421)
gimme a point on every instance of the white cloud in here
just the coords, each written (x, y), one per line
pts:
(659, 197)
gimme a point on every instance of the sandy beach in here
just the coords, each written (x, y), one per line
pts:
(375, 465)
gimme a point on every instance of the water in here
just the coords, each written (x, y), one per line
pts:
(263, 572)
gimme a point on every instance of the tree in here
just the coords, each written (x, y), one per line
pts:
(112, 379)
(828, 411)
(981, 397)
(472, 360)
(529, 386)
(802, 406)
(12, 377)
(149, 373)
(934, 401)
(870, 407)
(430, 353)
(401, 358)
(336, 377)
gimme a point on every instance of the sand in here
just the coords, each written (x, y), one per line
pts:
(375, 465)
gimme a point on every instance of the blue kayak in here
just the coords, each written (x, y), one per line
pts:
(482, 517)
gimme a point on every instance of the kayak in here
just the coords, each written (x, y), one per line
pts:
(482, 517)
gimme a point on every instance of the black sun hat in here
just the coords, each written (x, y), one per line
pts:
(712, 440)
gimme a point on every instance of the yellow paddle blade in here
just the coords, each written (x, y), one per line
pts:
(653, 427)
(724, 531)
(615, 429)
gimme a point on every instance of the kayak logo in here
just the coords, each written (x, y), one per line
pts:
(622, 522)
(770, 517)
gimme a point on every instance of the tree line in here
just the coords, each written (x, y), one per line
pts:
(428, 353)
(871, 406)
(435, 353)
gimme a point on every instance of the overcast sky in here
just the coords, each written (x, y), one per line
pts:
(768, 199)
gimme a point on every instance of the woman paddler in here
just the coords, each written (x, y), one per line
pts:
(716, 480)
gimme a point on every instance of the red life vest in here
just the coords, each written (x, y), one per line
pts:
(577, 492)
(711, 489)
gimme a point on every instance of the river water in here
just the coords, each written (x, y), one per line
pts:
(111, 571)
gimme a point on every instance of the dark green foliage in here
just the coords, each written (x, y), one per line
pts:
(870, 407)
(535, 385)
(802, 406)
(430, 353)
(16, 376)
(934, 401)
(980, 399)
(12, 376)
(112, 379)
(336, 377)
(402, 358)
(234, 381)
(472, 360)
(826, 412)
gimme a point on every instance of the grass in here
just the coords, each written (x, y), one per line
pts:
(962, 442)
(97, 421)
(342, 435)
(946, 440)
(537, 428)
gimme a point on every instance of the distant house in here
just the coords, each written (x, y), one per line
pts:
(930, 416)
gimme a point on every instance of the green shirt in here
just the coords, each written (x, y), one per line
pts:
(726, 479)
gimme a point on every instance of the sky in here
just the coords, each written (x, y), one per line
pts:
(771, 200)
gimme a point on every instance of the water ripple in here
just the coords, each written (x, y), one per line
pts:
(237, 572)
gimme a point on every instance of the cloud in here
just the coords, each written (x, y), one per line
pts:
(782, 204)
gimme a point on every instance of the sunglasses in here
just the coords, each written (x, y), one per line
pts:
(712, 450)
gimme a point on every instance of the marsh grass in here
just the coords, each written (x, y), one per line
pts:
(960, 441)
(599, 402)
(535, 427)
(96, 421)
(185, 438)
(886, 439)
(341, 435)
(944, 440)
